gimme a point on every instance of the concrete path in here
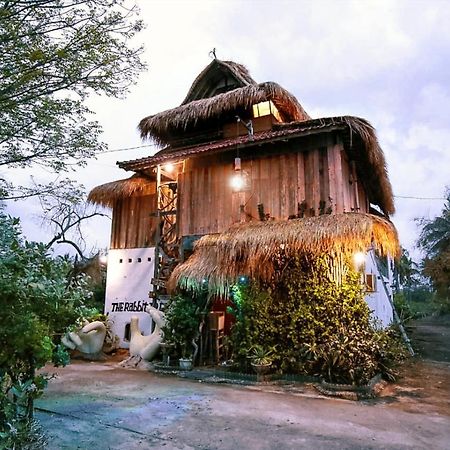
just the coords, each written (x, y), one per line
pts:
(91, 405)
(97, 405)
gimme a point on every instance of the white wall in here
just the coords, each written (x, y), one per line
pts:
(127, 286)
(378, 301)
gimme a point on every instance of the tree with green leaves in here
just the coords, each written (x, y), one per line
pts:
(434, 240)
(55, 53)
(406, 270)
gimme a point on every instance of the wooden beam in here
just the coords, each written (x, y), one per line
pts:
(339, 180)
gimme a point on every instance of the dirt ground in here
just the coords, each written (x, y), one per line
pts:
(424, 385)
(99, 405)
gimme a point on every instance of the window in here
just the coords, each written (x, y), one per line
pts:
(265, 109)
(371, 282)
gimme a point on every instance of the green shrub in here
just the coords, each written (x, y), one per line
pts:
(183, 316)
(403, 307)
(319, 327)
(441, 305)
(38, 304)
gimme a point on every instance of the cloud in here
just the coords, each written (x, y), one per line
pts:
(382, 60)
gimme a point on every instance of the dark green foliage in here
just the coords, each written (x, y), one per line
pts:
(413, 297)
(317, 326)
(434, 240)
(37, 305)
(98, 296)
(183, 317)
(403, 308)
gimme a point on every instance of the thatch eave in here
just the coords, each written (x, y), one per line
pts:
(135, 186)
(160, 127)
(249, 249)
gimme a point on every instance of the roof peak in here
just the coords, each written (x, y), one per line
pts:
(218, 77)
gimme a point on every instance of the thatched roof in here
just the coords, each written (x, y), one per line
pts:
(249, 249)
(360, 141)
(162, 127)
(107, 194)
(212, 76)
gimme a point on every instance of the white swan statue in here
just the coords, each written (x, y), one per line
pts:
(145, 347)
(88, 340)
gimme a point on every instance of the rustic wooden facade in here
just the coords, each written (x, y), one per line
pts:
(292, 180)
(133, 225)
(290, 166)
(133, 202)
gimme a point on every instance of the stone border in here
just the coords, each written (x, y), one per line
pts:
(350, 392)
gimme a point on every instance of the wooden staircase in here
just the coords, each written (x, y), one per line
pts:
(166, 241)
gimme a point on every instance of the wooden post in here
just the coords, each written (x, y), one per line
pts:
(331, 175)
(158, 226)
(339, 179)
(355, 186)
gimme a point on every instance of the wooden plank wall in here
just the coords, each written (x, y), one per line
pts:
(132, 225)
(295, 183)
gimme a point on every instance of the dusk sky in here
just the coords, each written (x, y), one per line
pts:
(385, 61)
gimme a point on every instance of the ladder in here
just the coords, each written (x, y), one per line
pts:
(166, 238)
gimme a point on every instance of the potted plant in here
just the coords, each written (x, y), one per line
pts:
(182, 322)
(261, 360)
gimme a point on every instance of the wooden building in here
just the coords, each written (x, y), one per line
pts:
(245, 155)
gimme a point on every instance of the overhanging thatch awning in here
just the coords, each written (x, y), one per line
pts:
(107, 194)
(249, 249)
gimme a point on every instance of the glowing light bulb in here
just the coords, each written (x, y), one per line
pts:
(359, 258)
(237, 182)
(169, 168)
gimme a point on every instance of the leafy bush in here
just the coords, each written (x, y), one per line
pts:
(261, 356)
(403, 307)
(441, 305)
(318, 326)
(420, 303)
(183, 317)
(38, 304)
